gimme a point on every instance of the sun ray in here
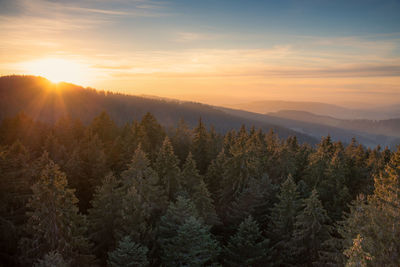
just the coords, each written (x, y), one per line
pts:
(58, 69)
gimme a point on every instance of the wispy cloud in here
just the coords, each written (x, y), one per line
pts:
(184, 37)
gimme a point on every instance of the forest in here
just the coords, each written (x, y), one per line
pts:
(141, 194)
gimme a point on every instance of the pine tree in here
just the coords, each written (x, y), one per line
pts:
(194, 185)
(56, 150)
(181, 140)
(190, 175)
(357, 256)
(146, 182)
(128, 254)
(104, 127)
(270, 157)
(240, 167)
(103, 215)
(359, 181)
(247, 247)
(385, 209)
(134, 217)
(143, 200)
(166, 166)
(255, 200)
(200, 149)
(214, 175)
(151, 135)
(193, 245)
(204, 204)
(333, 188)
(68, 131)
(214, 144)
(288, 158)
(54, 223)
(86, 168)
(282, 220)
(354, 222)
(52, 259)
(311, 230)
(377, 218)
(16, 177)
(175, 215)
(319, 161)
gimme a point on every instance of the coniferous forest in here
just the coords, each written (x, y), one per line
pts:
(143, 195)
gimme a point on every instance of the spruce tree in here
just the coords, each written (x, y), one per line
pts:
(86, 167)
(282, 221)
(166, 166)
(52, 259)
(334, 193)
(255, 200)
(181, 140)
(128, 254)
(134, 217)
(356, 254)
(194, 185)
(143, 200)
(200, 149)
(240, 167)
(104, 127)
(102, 216)
(175, 216)
(151, 135)
(311, 230)
(54, 223)
(193, 245)
(247, 247)
(319, 161)
(56, 150)
(214, 175)
(377, 218)
(146, 181)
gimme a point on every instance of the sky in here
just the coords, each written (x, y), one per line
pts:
(217, 52)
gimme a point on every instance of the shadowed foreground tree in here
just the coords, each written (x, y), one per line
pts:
(128, 254)
(282, 222)
(311, 230)
(377, 218)
(54, 222)
(183, 238)
(248, 247)
(356, 254)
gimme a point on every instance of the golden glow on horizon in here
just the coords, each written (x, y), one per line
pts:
(58, 70)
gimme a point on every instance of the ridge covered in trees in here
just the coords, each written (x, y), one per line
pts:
(48, 102)
(139, 194)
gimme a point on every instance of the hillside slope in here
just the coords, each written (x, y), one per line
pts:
(45, 101)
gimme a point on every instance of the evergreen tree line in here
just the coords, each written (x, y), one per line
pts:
(142, 195)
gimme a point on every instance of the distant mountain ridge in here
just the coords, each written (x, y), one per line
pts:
(324, 109)
(390, 127)
(47, 102)
(317, 130)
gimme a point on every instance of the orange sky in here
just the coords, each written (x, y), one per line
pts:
(161, 48)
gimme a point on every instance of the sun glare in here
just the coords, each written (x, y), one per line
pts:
(57, 70)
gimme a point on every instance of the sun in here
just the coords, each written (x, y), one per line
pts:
(58, 69)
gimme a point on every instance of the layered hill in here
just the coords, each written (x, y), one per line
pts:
(316, 127)
(323, 109)
(390, 127)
